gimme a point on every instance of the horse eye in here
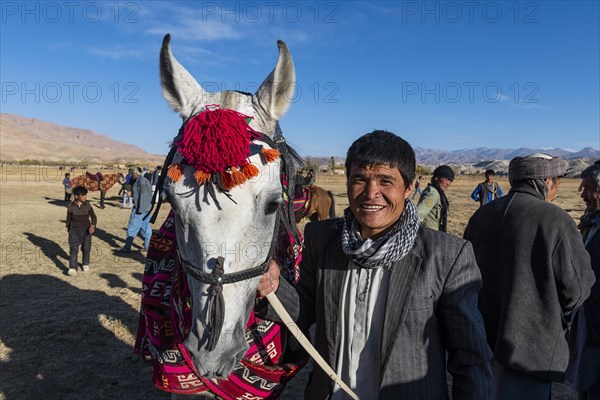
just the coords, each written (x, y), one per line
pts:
(271, 207)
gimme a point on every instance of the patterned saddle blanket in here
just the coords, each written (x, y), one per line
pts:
(90, 181)
(302, 203)
(165, 321)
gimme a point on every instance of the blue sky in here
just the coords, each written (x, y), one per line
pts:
(444, 75)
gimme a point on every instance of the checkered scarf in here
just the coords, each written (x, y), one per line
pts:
(385, 250)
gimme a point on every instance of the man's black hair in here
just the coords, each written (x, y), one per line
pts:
(79, 190)
(383, 148)
(490, 172)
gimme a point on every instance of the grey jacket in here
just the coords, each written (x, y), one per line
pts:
(535, 272)
(142, 195)
(431, 309)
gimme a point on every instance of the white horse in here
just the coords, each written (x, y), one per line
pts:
(224, 229)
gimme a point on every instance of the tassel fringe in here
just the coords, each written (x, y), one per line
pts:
(175, 172)
(250, 171)
(201, 177)
(270, 154)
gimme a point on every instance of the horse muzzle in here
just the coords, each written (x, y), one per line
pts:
(219, 362)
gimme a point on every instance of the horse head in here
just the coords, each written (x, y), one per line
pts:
(226, 207)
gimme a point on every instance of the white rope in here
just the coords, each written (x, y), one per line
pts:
(293, 328)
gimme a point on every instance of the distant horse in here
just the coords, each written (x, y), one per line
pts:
(314, 203)
(226, 178)
(90, 181)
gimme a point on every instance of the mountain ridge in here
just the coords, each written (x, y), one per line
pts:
(24, 138)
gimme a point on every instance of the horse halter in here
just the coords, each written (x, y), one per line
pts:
(217, 278)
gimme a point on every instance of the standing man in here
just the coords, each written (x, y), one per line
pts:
(535, 273)
(310, 178)
(487, 190)
(389, 297)
(101, 188)
(138, 220)
(433, 203)
(417, 187)
(584, 366)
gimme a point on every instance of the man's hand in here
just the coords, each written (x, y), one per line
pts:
(91, 229)
(269, 281)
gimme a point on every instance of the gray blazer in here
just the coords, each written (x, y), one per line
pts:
(431, 312)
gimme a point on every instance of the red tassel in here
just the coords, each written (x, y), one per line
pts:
(175, 172)
(270, 154)
(215, 140)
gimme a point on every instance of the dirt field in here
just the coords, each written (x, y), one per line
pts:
(72, 337)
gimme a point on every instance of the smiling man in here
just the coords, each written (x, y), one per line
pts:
(389, 297)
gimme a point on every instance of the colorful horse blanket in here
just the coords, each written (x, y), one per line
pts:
(165, 321)
(90, 181)
(302, 203)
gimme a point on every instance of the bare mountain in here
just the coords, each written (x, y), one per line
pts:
(469, 156)
(23, 138)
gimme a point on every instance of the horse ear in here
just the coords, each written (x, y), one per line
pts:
(275, 93)
(179, 88)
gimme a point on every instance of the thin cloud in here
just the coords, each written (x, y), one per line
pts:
(519, 103)
(117, 52)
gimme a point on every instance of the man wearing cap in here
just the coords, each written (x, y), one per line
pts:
(487, 190)
(433, 204)
(535, 272)
(584, 367)
(138, 219)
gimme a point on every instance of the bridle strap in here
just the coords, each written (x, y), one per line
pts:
(159, 186)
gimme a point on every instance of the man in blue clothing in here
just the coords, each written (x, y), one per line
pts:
(488, 190)
(138, 220)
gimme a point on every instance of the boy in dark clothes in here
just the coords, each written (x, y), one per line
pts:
(81, 223)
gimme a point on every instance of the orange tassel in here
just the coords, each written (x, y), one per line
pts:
(237, 177)
(250, 171)
(201, 177)
(175, 172)
(270, 154)
(227, 180)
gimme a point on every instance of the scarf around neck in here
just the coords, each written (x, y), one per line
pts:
(385, 250)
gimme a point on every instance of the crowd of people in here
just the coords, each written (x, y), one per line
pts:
(397, 303)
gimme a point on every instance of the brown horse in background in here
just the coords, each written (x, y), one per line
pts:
(90, 181)
(322, 204)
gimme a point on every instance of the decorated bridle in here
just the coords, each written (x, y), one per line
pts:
(218, 143)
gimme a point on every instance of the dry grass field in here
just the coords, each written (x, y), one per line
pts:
(65, 337)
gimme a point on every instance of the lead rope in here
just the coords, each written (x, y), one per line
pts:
(304, 342)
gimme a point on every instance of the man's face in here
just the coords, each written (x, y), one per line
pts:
(489, 178)
(590, 195)
(376, 196)
(444, 183)
(552, 189)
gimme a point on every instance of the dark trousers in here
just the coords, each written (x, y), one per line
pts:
(67, 197)
(102, 194)
(510, 384)
(79, 237)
